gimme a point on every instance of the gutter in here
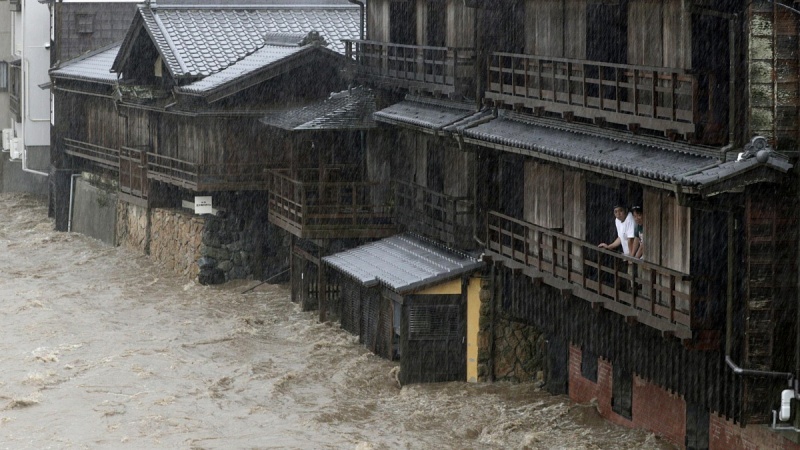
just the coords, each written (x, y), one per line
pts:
(361, 6)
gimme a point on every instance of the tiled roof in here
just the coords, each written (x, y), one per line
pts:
(94, 66)
(404, 263)
(198, 41)
(731, 169)
(258, 60)
(343, 110)
(430, 114)
(622, 157)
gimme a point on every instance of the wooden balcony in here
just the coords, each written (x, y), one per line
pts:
(434, 70)
(103, 156)
(662, 99)
(304, 203)
(444, 218)
(643, 292)
(206, 177)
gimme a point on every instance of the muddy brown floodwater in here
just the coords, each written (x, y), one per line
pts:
(103, 348)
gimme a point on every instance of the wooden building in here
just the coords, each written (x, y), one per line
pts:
(172, 111)
(518, 125)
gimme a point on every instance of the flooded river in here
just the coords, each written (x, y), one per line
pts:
(103, 348)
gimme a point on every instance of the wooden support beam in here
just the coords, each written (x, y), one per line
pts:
(538, 111)
(600, 122)
(569, 116)
(566, 294)
(634, 128)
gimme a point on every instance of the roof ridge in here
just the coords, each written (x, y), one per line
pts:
(170, 44)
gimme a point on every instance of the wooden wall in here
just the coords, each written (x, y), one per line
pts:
(659, 33)
(556, 28)
(555, 198)
(378, 20)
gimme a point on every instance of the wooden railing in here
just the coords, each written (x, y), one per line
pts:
(629, 286)
(445, 218)
(656, 98)
(322, 209)
(206, 177)
(105, 156)
(443, 70)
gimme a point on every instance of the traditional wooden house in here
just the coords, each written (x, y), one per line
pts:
(171, 113)
(688, 111)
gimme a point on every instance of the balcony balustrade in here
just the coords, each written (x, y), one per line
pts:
(104, 156)
(207, 177)
(663, 99)
(307, 204)
(435, 70)
(649, 293)
(445, 218)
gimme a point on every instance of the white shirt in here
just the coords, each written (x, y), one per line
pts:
(625, 232)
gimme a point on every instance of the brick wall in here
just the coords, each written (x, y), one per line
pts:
(726, 435)
(654, 409)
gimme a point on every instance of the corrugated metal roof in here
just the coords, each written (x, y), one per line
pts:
(201, 40)
(94, 66)
(623, 157)
(350, 109)
(425, 114)
(403, 263)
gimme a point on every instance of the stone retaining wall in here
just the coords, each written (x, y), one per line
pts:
(133, 227)
(518, 351)
(175, 239)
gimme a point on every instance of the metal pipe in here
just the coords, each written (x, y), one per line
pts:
(71, 194)
(753, 372)
(361, 6)
(25, 165)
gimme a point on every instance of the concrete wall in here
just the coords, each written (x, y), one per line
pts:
(94, 212)
(15, 180)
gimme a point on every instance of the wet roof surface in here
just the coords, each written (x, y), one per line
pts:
(343, 110)
(624, 157)
(200, 41)
(403, 263)
(93, 66)
(431, 115)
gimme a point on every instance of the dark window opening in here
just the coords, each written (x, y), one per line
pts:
(402, 23)
(589, 365)
(622, 392)
(3, 76)
(84, 23)
(437, 24)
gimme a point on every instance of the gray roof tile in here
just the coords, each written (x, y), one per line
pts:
(428, 114)
(343, 110)
(403, 263)
(94, 66)
(199, 41)
(634, 159)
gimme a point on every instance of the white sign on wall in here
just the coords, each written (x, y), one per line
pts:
(202, 205)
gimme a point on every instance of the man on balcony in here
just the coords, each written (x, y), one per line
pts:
(625, 231)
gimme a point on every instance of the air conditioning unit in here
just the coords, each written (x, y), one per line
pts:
(16, 148)
(8, 133)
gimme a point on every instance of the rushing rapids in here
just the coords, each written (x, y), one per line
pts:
(102, 348)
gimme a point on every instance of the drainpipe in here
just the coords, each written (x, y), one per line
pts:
(25, 165)
(361, 6)
(71, 195)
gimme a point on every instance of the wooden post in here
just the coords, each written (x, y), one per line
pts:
(322, 289)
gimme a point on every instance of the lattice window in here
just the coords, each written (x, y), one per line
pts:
(432, 321)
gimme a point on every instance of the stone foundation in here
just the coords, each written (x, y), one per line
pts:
(238, 244)
(508, 350)
(175, 239)
(133, 227)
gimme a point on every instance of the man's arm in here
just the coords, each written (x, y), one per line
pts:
(612, 245)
